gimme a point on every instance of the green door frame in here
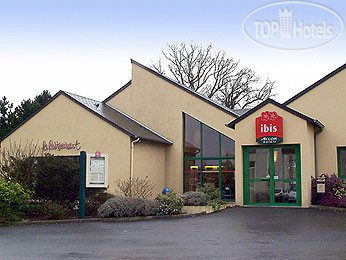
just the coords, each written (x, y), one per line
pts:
(246, 175)
(339, 149)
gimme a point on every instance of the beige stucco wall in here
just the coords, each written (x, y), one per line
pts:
(295, 131)
(64, 120)
(159, 105)
(327, 103)
(149, 160)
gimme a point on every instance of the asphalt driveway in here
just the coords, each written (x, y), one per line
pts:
(237, 233)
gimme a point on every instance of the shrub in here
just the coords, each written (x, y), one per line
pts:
(14, 201)
(216, 204)
(57, 179)
(127, 207)
(94, 201)
(169, 204)
(210, 190)
(335, 195)
(48, 210)
(136, 188)
(17, 163)
(195, 198)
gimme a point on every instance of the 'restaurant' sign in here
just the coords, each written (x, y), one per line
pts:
(269, 128)
(55, 145)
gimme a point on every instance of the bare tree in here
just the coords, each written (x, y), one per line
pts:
(214, 75)
(17, 163)
(135, 188)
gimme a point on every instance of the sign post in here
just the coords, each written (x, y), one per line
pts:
(82, 171)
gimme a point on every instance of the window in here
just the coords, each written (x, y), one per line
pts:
(210, 142)
(227, 147)
(208, 158)
(342, 162)
(192, 142)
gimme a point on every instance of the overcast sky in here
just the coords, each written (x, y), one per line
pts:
(85, 47)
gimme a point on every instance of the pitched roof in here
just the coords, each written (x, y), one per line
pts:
(198, 95)
(116, 92)
(317, 83)
(310, 120)
(240, 112)
(111, 115)
(120, 120)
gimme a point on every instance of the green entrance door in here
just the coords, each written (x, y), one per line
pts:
(272, 175)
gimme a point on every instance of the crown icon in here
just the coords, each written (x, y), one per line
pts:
(285, 22)
(285, 12)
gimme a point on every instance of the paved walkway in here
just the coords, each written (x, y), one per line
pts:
(237, 233)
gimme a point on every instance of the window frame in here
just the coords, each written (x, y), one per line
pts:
(201, 158)
(339, 149)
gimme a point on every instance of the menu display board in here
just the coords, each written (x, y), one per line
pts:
(97, 171)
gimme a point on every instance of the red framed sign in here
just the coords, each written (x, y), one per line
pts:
(269, 128)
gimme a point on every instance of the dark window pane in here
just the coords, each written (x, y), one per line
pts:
(259, 192)
(343, 162)
(210, 142)
(192, 174)
(210, 172)
(192, 137)
(285, 191)
(227, 178)
(259, 163)
(227, 147)
(284, 163)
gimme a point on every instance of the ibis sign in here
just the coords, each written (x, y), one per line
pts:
(269, 128)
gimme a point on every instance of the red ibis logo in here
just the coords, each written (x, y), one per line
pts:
(269, 128)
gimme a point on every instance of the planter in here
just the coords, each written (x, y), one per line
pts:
(202, 209)
(197, 209)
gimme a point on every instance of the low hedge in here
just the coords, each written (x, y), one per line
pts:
(118, 207)
(169, 204)
(50, 210)
(195, 198)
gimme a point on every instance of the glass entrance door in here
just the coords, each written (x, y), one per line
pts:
(272, 175)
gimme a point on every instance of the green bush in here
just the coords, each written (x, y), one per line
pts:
(14, 201)
(169, 204)
(94, 201)
(118, 207)
(210, 190)
(195, 198)
(216, 204)
(48, 210)
(57, 179)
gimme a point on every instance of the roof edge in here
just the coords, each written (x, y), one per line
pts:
(310, 120)
(98, 115)
(209, 101)
(146, 127)
(314, 85)
(33, 114)
(117, 92)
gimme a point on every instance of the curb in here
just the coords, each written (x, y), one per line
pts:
(328, 208)
(125, 219)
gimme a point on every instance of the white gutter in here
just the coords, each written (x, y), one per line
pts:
(316, 146)
(131, 159)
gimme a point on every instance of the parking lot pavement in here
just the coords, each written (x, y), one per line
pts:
(237, 233)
